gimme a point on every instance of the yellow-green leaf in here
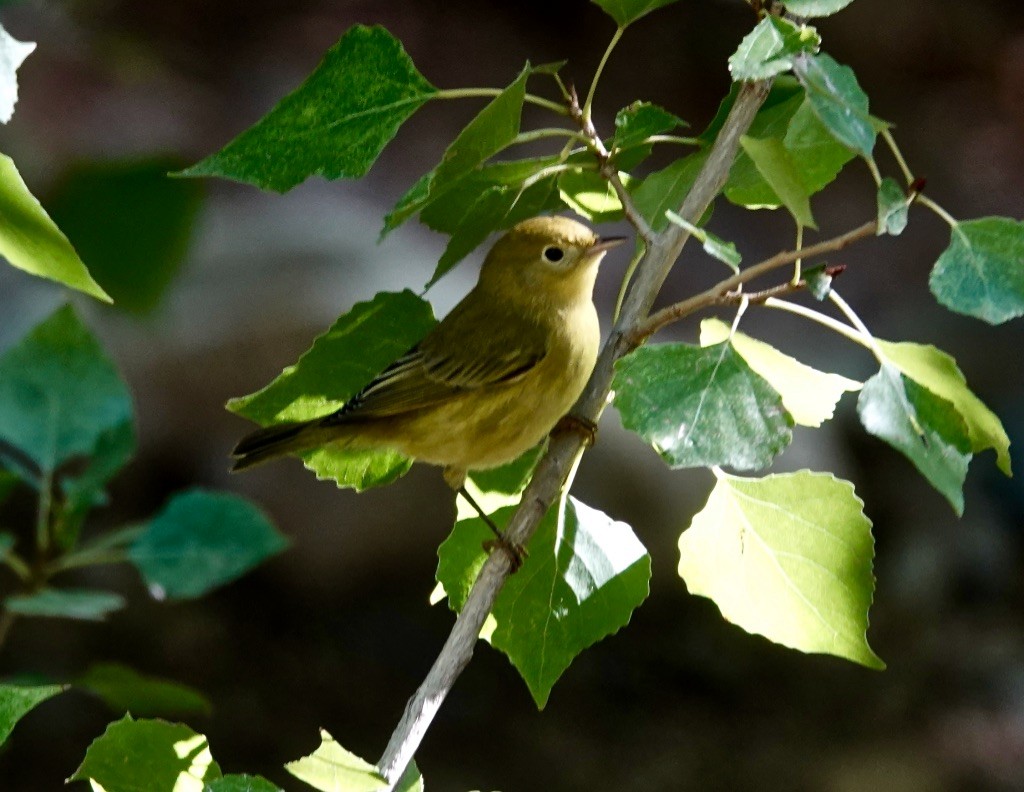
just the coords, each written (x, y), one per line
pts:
(810, 395)
(939, 373)
(787, 557)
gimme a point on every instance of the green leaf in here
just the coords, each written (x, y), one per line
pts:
(893, 207)
(814, 153)
(130, 223)
(84, 604)
(815, 8)
(202, 540)
(333, 125)
(638, 121)
(782, 174)
(331, 768)
(512, 477)
(126, 690)
(59, 393)
(493, 129)
(356, 348)
(148, 756)
(938, 372)
(241, 783)
(980, 273)
(701, 406)
(666, 189)
(17, 700)
(588, 194)
(714, 246)
(810, 395)
(625, 12)
(787, 557)
(12, 55)
(924, 427)
(584, 576)
(770, 47)
(838, 100)
(494, 208)
(32, 242)
(818, 156)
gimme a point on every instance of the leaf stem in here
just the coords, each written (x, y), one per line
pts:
(924, 200)
(855, 320)
(720, 290)
(873, 167)
(548, 132)
(626, 278)
(891, 143)
(817, 316)
(588, 104)
(472, 93)
(799, 248)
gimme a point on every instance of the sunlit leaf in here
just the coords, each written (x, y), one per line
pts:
(810, 395)
(939, 373)
(787, 557)
(241, 783)
(815, 8)
(148, 756)
(359, 345)
(584, 576)
(12, 55)
(32, 242)
(331, 768)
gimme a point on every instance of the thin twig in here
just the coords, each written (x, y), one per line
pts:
(563, 448)
(607, 168)
(714, 295)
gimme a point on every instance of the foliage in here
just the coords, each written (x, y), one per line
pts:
(785, 556)
(66, 429)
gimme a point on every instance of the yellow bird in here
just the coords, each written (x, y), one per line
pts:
(492, 378)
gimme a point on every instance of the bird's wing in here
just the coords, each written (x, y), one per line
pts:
(450, 361)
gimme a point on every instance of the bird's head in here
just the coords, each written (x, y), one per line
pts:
(546, 258)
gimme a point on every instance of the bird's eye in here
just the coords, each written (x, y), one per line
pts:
(554, 253)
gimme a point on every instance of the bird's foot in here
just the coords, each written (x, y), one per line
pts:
(581, 426)
(516, 552)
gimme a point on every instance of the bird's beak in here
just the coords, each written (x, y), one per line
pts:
(605, 244)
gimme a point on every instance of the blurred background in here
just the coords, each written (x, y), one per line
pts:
(225, 285)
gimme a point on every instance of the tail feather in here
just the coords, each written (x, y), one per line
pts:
(274, 441)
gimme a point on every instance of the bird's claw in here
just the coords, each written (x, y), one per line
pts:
(581, 426)
(516, 552)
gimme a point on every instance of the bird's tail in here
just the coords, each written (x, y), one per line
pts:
(274, 441)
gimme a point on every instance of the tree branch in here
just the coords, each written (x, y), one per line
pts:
(662, 251)
(721, 290)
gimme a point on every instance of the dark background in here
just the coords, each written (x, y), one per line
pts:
(337, 632)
